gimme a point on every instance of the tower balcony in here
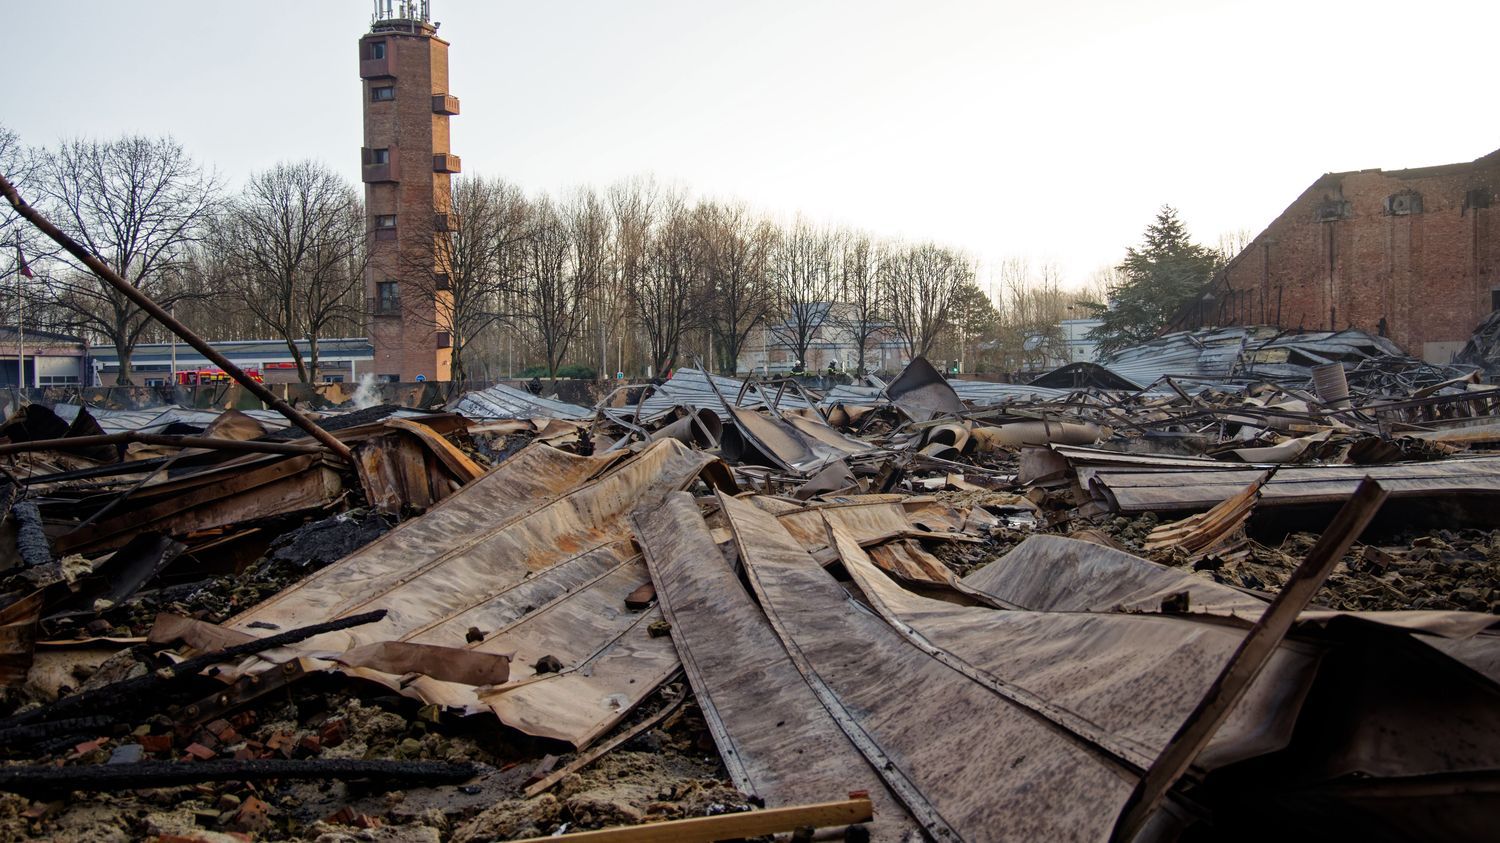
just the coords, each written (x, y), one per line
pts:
(374, 58)
(442, 222)
(380, 165)
(374, 68)
(446, 162)
(444, 104)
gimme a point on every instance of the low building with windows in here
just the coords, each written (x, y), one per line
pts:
(770, 349)
(340, 360)
(1077, 346)
(51, 359)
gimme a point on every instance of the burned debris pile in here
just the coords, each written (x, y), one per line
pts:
(1232, 584)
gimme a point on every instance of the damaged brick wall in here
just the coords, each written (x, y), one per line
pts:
(1418, 249)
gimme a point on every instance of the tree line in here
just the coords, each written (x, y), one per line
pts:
(636, 277)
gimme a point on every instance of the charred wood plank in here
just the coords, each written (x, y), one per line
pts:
(38, 732)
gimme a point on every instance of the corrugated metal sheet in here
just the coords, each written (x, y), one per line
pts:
(158, 419)
(690, 388)
(985, 394)
(978, 393)
(1254, 353)
(507, 402)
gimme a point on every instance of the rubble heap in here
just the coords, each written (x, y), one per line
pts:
(1204, 600)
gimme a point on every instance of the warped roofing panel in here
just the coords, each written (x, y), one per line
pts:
(156, 420)
(1023, 778)
(777, 740)
(1171, 490)
(690, 388)
(506, 402)
(532, 530)
(978, 393)
(986, 394)
(1256, 352)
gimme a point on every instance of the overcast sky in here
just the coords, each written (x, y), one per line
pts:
(1051, 130)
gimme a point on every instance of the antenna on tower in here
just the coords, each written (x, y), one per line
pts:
(413, 14)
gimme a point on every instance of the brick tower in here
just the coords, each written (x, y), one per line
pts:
(403, 68)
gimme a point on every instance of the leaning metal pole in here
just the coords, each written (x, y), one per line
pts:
(161, 315)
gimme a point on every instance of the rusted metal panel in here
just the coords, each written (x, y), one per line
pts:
(608, 660)
(777, 740)
(1292, 485)
(1057, 574)
(879, 523)
(1121, 682)
(286, 485)
(528, 481)
(1020, 777)
(1249, 659)
(543, 525)
(922, 393)
(581, 703)
(1212, 530)
(460, 464)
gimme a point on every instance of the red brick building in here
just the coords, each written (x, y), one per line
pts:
(1411, 254)
(407, 165)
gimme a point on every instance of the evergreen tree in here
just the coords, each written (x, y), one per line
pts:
(1157, 279)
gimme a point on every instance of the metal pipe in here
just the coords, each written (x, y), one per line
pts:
(145, 303)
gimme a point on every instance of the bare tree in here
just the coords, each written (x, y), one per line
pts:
(589, 229)
(665, 295)
(862, 297)
(734, 247)
(633, 208)
(137, 203)
(293, 246)
(207, 298)
(551, 296)
(480, 253)
(921, 284)
(801, 279)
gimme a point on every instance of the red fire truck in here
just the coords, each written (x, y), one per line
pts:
(193, 377)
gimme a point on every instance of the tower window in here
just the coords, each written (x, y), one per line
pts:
(380, 156)
(383, 93)
(377, 49)
(385, 220)
(387, 297)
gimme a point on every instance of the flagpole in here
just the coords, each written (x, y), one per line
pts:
(172, 309)
(20, 317)
(20, 334)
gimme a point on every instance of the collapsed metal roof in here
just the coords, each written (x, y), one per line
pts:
(507, 402)
(1259, 352)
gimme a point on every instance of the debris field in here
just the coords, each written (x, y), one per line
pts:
(1244, 585)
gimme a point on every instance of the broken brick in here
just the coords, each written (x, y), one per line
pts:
(199, 751)
(333, 733)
